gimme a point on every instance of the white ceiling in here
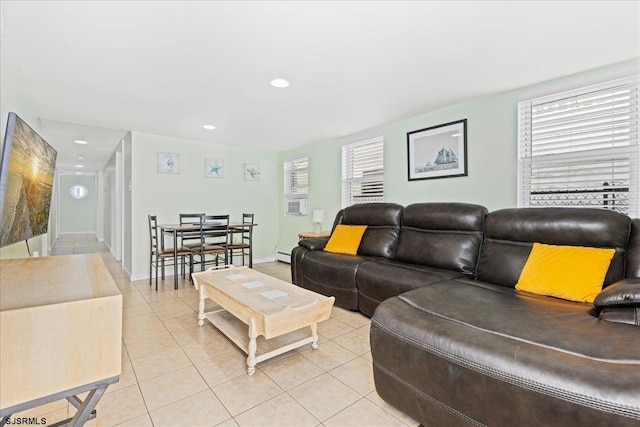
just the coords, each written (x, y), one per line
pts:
(169, 67)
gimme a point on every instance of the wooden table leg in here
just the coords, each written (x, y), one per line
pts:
(253, 346)
(314, 336)
(201, 307)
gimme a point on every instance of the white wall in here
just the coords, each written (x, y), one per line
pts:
(167, 195)
(492, 155)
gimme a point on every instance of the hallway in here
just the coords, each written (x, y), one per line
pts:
(72, 244)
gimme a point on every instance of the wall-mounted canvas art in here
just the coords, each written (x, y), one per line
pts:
(168, 162)
(252, 172)
(213, 168)
(26, 182)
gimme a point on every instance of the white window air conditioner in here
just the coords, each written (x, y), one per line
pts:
(296, 206)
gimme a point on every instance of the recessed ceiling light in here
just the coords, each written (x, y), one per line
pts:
(79, 166)
(209, 127)
(78, 141)
(279, 83)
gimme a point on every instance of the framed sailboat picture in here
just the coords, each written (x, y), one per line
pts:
(438, 151)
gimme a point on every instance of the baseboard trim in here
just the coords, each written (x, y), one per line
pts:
(136, 277)
(283, 257)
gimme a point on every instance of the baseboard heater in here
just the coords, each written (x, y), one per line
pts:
(284, 257)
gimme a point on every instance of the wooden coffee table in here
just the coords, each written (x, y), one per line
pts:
(262, 315)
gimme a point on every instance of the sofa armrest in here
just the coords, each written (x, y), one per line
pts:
(314, 243)
(620, 302)
(624, 293)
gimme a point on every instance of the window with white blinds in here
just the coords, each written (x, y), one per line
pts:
(581, 148)
(362, 172)
(296, 185)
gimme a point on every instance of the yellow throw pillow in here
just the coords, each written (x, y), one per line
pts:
(573, 273)
(345, 239)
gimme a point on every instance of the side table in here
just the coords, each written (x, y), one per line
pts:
(311, 234)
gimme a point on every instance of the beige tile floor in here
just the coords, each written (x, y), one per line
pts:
(175, 373)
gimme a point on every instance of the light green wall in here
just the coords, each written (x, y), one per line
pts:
(15, 98)
(77, 215)
(166, 195)
(492, 155)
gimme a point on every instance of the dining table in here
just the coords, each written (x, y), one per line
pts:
(175, 229)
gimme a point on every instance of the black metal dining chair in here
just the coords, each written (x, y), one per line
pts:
(214, 241)
(190, 237)
(159, 256)
(244, 246)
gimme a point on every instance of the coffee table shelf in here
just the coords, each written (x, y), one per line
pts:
(236, 331)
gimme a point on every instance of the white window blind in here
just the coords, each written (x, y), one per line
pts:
(296, 185)
(362, 172)
(581, 148)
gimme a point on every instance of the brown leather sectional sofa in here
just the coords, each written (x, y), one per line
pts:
(453, 343)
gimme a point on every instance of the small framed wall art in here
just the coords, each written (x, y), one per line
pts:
(438, 151)
(252, 172)
(168, 162)
(213, 168)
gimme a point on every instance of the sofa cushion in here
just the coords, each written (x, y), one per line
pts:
(554, 324)
(573, 273)
(381, 279)
(383, 224)
(466, 351)
(331, 275)
(443, 235)
(510, 234)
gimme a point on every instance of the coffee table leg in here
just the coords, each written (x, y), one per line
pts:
(201, 307)
(253, 346)
(314, 336)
